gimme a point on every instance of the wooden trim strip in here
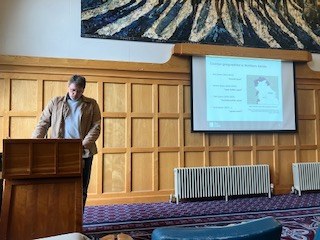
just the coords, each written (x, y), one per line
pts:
(190, 49)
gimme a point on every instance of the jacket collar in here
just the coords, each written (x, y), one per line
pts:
(83, 98)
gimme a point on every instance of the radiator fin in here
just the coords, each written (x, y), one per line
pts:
(306, 176)
(200, 182)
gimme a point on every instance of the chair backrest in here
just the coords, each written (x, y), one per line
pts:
(317, 235)
(263, 229)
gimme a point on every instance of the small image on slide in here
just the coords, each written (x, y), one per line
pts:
(262, 90)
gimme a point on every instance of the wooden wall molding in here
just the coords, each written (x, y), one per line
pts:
(175, 65)
(189, 49)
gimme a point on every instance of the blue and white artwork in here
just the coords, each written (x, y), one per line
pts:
(278, 24)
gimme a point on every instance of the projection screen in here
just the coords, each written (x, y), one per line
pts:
(242, 94)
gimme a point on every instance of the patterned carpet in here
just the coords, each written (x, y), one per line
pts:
(300, 216)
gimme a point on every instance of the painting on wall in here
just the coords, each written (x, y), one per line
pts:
(280, 24)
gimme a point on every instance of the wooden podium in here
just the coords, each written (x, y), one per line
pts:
(43, 188)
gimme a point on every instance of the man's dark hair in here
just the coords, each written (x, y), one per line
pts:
(78, 80)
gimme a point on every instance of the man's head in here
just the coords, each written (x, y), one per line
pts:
(76, 86)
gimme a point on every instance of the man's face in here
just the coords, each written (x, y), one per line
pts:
(74, 91)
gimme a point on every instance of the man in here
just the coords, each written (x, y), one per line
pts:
(73, 116)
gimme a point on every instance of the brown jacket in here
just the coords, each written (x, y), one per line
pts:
(56, 111)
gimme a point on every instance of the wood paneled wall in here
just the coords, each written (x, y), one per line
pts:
(146, 126)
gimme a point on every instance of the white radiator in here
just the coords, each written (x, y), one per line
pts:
(201, 182)
(306, 176)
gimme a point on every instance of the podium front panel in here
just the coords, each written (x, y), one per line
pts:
(43, 188)
(36, 208)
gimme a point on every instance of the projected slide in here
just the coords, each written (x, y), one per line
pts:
(242, 94)
(239, 89)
